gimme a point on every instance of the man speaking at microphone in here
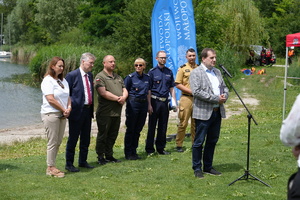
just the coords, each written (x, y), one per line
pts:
(210, 93)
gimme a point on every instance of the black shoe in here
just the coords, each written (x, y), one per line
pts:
(198, 174)
(102, 161)
(86, 165)
(179, 149)
(71, 168)
(212, 171)
(112, 159)
(133, 157)
(164, 152)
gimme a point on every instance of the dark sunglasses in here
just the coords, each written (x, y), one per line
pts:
(163, 58)
(60, 84)
(138, 65)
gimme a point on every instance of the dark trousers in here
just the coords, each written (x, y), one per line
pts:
(82, 128)
(293, 186)
(211, 130)
(108, 129)
(159, 117)
(136, 113)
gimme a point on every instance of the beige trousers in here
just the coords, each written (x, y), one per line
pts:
(184, 115)
(54, 129)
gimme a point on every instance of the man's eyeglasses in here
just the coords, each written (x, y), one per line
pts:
(60, 84)
(163, 58)
(138, 65)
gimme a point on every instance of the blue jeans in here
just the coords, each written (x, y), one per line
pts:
(211, 130)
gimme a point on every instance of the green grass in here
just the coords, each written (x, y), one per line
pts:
(23, 165)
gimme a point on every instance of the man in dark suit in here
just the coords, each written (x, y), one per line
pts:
(290, 136)
(80, 119)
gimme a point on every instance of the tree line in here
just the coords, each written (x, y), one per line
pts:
(122, 27)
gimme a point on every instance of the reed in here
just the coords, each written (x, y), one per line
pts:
(23, 54)
(69, 52)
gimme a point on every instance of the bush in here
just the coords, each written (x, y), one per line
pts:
(294, 71)
(229, 58)
(78, 37)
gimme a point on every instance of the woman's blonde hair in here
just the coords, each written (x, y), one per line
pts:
(140, 60)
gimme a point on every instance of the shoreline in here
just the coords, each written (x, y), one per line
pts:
(21, 133)
(8, 136)
(24, 133)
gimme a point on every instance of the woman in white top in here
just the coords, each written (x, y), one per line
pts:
(54, 111)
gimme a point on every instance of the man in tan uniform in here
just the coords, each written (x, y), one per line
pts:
(186, 99)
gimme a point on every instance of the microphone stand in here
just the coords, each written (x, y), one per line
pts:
(247, 174)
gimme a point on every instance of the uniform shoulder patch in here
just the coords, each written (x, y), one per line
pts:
(182, 66)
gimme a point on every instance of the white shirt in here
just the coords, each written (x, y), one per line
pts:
(213, 79)
(50, 86)
(290, 128)
(86, 102)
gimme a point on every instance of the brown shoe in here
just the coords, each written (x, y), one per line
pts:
(55, 173)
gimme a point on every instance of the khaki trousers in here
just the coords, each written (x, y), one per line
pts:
(184, 115)
(54, 129)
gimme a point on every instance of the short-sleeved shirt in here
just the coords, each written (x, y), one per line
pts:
(113, 84)
(137, 85)
(50, 85)
(290, 128)
(162, 80)
(183, 75)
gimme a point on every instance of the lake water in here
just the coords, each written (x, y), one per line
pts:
(19, 104)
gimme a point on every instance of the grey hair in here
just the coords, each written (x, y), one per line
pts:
(86, 56)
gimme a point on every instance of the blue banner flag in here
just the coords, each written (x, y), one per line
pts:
(173, 31)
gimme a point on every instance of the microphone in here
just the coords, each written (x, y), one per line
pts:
(225, 70)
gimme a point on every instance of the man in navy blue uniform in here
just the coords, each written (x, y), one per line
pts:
(161, 85)
(137, 85)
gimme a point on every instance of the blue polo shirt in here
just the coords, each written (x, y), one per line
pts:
(162, 80)
(137, 85)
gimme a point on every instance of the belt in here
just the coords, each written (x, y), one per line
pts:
(158, 98)
(87, 106)
(188, 95)
(216, 108)
(137, 99)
